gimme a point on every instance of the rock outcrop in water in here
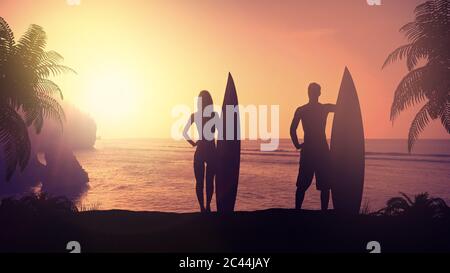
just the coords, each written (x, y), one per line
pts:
(79, 130)
(59, 173)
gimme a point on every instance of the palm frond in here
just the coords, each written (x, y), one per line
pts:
(31, 115)
(445, 116)
(439, 206)
(421, 198)
(33, 42)
(407, 198)
(413, 31)
(426, 34)
(397, 54)
(418, 52)
(49, 88)
(6, 38)
(413, 53)
(418, 124)
(38, 122)
(409, 92)
(47, 70)
(395, 206)
(51, 108)
(14, 139)
(6, 42)
(50, 57)
(43, 107)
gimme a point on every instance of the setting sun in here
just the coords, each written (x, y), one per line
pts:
(112, 94)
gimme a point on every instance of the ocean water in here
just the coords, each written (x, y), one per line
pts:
(158, 175)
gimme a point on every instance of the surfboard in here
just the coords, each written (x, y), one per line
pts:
(347, 149)
(229, 152)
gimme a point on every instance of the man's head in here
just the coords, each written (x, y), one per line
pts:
(314, 91)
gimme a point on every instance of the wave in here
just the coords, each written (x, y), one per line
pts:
(291, 153)
(407, 154)
(409, 159)
(436, 158)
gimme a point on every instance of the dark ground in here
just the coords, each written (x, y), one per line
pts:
(274, 231)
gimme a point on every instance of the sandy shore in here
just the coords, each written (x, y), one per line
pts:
(274, 231)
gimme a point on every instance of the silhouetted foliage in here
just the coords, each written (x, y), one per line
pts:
(429, 37)
(27, 96)
(37, 205)
(423, 206)
(366, 210)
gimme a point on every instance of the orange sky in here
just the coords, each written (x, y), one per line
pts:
(138, 59)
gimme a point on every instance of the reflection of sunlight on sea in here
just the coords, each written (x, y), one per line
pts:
(158, 175)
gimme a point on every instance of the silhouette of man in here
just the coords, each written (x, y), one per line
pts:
(315, 154)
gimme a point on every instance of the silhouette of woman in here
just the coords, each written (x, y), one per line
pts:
(204, 157)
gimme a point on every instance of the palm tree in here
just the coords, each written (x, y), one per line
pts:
(423, 206)
(27, 96)
(429, 41)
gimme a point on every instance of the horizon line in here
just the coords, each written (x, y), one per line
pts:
(285, 138)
